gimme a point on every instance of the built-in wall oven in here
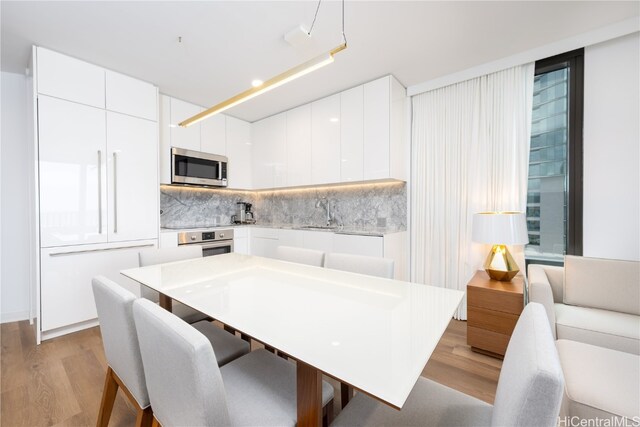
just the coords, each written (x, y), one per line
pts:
(216, 242)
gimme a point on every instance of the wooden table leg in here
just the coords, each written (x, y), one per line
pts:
(309, 395)
(166, 302)
(346, 392)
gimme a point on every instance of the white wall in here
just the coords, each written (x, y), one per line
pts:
(612, 149)
(14, 206)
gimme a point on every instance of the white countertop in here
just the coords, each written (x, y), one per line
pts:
(343, 230)
(374, 334)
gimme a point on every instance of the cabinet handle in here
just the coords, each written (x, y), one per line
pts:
(115, 192)
(99, 192)
(82, 251)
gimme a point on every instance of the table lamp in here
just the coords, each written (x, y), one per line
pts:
(500, 229)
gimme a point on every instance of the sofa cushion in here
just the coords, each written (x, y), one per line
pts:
(602, 283)
(599, 382)
(618, 331)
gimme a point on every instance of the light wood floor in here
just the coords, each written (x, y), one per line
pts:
(60, 382)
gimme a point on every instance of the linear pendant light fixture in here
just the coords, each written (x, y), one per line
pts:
(282, 78)
(274, 82)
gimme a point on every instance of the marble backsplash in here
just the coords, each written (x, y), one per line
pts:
(370, 206)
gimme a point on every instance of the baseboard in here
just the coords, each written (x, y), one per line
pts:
(14, 316)
(46, 335)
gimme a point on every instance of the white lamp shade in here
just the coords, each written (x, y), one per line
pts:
(500, 228)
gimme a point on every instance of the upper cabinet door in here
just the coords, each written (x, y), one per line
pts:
(239, 168)
(133, 178)
(213, 135)
(325, 140)
(377, 128)
(165, 139)
(351, 134)
(64, 77)
(130, 96)
(299, 146)
(187, 138)
(269, 160)
(73, 203)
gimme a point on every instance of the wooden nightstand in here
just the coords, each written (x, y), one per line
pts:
(493, 308)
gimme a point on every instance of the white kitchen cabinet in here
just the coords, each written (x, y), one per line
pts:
(72, 154)
(241, 245)
(66, 273)
(264, 241)
(132, 156)
(241, 240)
(213, 135)
(325, 140)
(219, 134)
(293, 238)
(164, 127)
(189, 137)
(130, 96)
(238, 137)
(318, 240)
(97, 184)
(268, 139)
(390, 246)
(376, 129)
(299, 146)
(168, 239)
(352, 134)
(68, 78)
(358, 245)
(385, 152)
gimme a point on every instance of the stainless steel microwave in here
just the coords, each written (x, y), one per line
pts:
(197, 168)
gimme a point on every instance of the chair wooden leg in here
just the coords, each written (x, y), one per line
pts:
(346, 392)
(155, 423)
(327, 414)
(284, 356)
(108, 398)
(144, 417)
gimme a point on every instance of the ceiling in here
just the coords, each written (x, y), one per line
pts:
(225, 45)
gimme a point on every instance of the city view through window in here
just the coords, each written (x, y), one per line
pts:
(547, 187)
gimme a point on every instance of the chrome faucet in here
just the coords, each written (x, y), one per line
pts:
(326, 203)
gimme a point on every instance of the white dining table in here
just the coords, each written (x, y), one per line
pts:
(372, 334)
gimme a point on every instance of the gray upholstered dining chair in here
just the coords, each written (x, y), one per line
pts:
(186, 387)
(372, 266)
(160, 256)
(300, 255)
(122, 350)
(529, 393)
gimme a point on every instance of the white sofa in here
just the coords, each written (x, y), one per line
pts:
(593, 306)
(591, 300)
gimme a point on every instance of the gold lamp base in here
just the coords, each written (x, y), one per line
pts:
(500, 265)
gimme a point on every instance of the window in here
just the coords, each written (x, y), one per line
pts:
(554, 194)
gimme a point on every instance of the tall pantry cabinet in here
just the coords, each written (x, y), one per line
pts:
(97, 183)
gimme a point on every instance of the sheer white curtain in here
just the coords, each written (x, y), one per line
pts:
(470, 153)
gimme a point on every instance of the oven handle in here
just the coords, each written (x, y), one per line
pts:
(215, 244)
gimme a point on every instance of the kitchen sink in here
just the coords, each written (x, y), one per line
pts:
(318, 227)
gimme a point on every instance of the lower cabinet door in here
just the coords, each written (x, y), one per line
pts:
(65, 289)
(241, 245)
(264, 247)
(358, 245)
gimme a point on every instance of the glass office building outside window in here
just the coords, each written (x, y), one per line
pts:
(554, 196)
